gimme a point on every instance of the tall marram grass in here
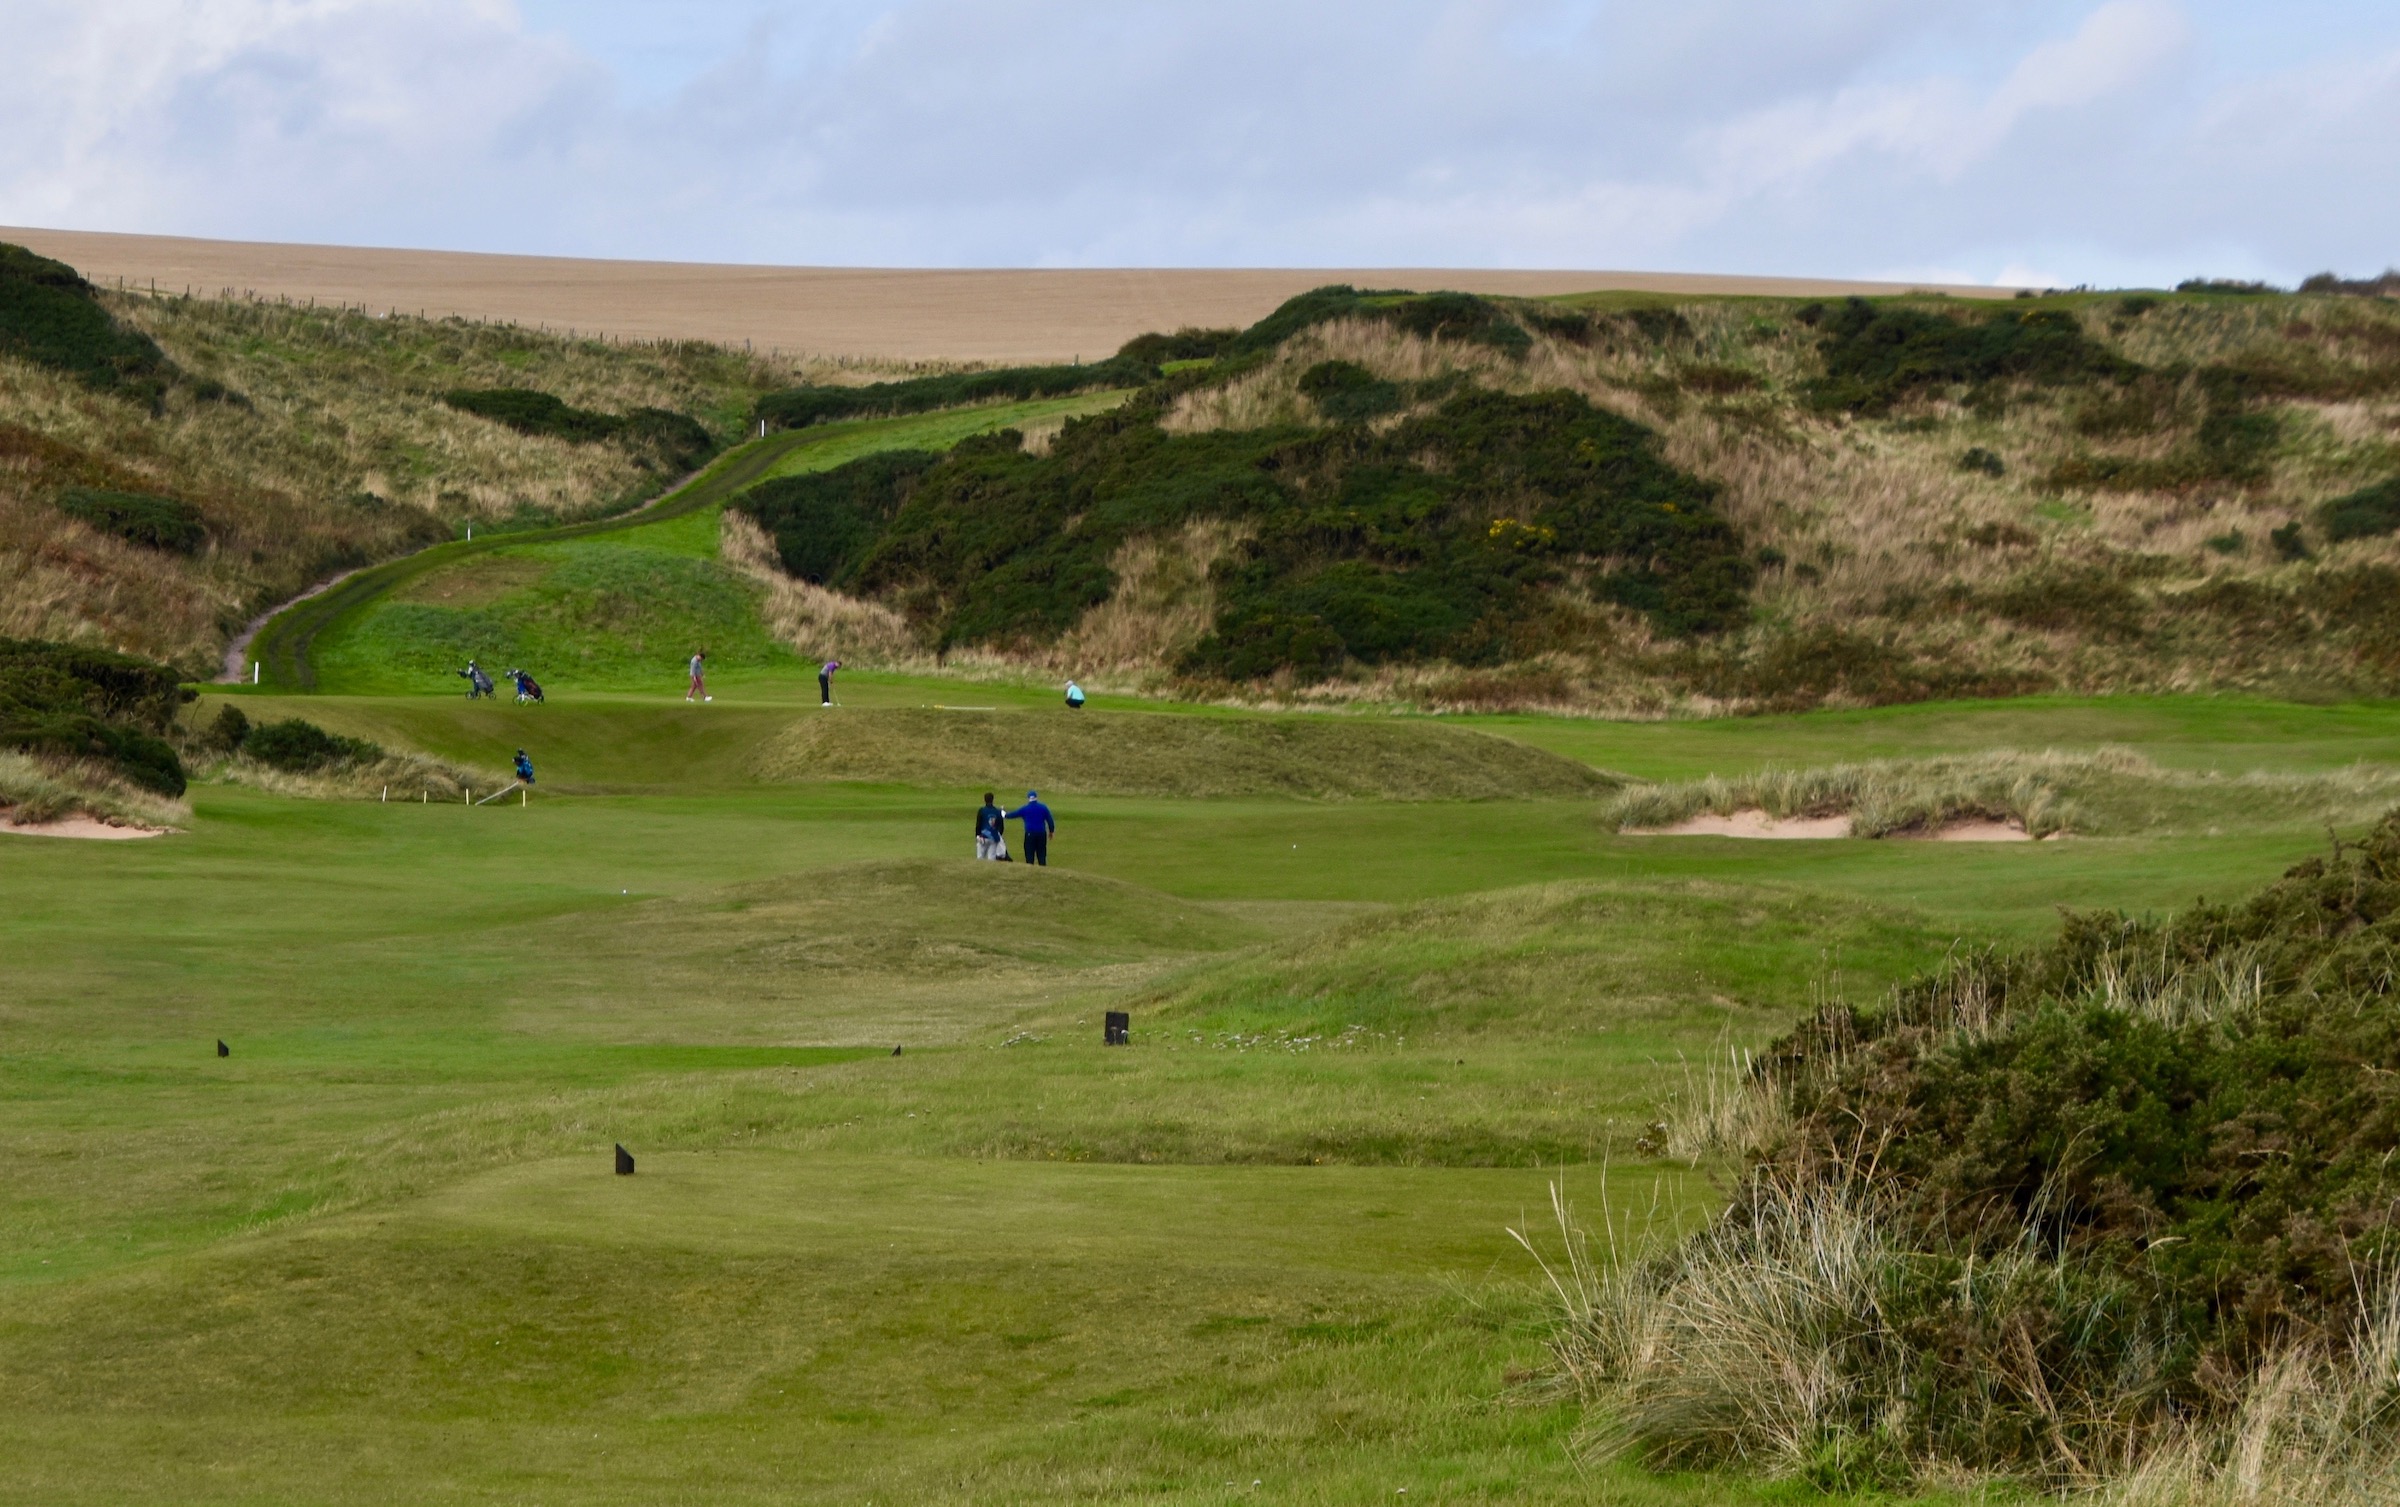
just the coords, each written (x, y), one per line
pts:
(34, 790)
(2105, 792)
(1772, 1343)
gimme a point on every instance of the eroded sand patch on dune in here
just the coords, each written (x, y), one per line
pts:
(79, 826)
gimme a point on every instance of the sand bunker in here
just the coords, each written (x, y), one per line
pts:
(80, 826)
(1750, 824)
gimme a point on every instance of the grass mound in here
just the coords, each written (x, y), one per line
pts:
(927, 917)
(2050, 1214)
(576, 613)
(2111, 792)
(1133, 753)
(1545, 960)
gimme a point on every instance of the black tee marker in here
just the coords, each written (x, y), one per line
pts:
(222, 1049)
(624, 1162)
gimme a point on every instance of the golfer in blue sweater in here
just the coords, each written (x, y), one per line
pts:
(1039, 824)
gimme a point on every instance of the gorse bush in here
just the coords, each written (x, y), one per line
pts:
(799, 407)
(824, 522)
(2059, 1208)
(1186, 344)
(299, 747)
(163, 523)
(675, 441)
(2365, 513)
(71, 702)
(1426, 541)
(50, 315)
(1348, 393)
(1435, 316)
(1875, 355)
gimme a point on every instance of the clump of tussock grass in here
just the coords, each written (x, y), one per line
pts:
(2109, 791)
(396, 775)
(2108, 1214)
(35, 789)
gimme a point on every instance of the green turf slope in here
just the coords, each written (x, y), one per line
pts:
(617, 603)
(377, 1255)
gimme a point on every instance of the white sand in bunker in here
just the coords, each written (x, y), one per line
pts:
(1758, 824)
(79, 826)
(1750, 824)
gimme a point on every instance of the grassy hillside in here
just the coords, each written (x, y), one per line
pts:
(1641, 505)
(615, 603)
(298, 441)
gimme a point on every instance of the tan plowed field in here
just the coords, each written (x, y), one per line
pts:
(907, 314)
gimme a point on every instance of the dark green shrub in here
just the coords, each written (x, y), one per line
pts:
(1982, 461)
(1348, 393)
(1876, 356)
(2363, 514)
(1186, 344)
(231, 729)
(2289, 542)
(2225, 285)
(2136, 305)
(677, 442)
(2230, 542)
(162, 523)
(825, 522)
(1461, 317)
(69, 701)
(536, 413)
(669, 441)
(2386, 286)
(299, 747)
(799, 407)
(1435, 316)
(50, 315)
(2092, 601)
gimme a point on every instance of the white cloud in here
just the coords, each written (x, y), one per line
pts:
(1759, 135)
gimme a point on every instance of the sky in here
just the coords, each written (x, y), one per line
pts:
(2043, 142)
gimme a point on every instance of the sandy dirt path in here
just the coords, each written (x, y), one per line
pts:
(956, 314)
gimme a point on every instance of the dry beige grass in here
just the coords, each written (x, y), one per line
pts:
(817, 622)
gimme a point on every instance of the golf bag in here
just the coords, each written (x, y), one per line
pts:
(528, 688)
(479, 685)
